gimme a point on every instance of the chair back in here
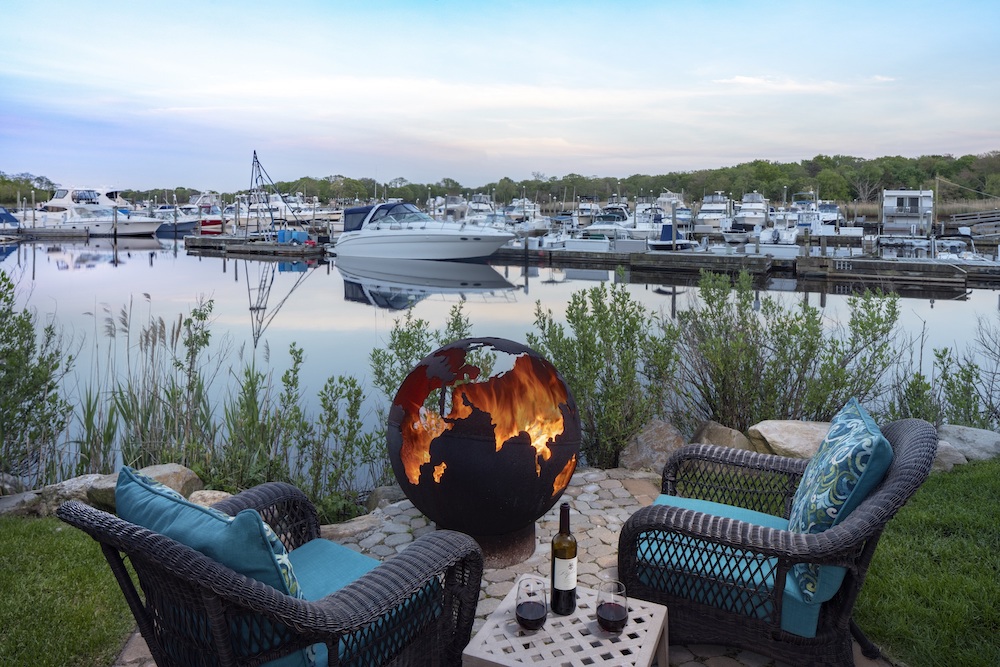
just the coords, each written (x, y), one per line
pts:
(193, 611)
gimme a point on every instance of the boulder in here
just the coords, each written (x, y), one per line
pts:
(356, 527)
(796, 439)
(9, 484)
(651, 447)
(974, 443)
(101, 493)
(208, 497)
(384, 495)
(177, 477)
(714, 433)
(947, 457)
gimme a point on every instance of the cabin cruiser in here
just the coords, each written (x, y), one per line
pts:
(87, 210)
(669, 239)
(398, 230)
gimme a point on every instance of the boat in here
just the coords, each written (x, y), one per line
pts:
(670, 241)
(752, 212)
(8, 222)
(76, 210)
(399, 230)
(586, 209)
(714, 208)
(480, 203)
(830, 213)
(400, 284)
(526, 217)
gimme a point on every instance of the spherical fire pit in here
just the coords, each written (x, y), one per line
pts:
(485, 452)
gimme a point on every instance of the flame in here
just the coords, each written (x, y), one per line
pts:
(439, 470)
(525, 399)
(562, 479)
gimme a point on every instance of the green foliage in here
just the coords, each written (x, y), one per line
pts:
(746, 358)
(61, 605)
(604, 363)
(33, 412)
(161, 400)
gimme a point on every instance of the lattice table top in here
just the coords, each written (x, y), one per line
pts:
(572, 640)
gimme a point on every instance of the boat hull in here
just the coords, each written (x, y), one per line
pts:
(469, 243)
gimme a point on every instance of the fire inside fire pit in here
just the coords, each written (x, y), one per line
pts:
(483, 452)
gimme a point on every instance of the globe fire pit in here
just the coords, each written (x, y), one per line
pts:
(483, 438)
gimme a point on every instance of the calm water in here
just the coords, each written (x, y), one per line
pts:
(333, 319)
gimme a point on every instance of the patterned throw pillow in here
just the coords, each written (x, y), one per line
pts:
(849, 464)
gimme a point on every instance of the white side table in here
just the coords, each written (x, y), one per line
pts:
(572, 640)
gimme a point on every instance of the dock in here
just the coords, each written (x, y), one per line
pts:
(249, 248)
(835, 270)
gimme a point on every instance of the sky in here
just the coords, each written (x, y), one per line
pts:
(152, 94)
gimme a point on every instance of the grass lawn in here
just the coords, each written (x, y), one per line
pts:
(932, 596)
(61, 606)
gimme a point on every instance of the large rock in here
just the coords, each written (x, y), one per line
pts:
(208, 497)
(975, 444)
(383, 496)
(714, 433)
(651, 447)
(797, 439)
(947, 457)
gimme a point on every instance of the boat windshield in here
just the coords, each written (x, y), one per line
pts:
(90, 212)
(407, 213)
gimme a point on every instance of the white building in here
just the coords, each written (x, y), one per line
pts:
(907, 212)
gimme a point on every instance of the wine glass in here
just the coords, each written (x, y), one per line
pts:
(612, 606)
(530, 610)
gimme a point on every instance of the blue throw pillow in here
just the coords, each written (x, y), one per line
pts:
(244, 543)
(850, 462)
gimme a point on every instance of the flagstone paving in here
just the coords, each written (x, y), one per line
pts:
(601, 501)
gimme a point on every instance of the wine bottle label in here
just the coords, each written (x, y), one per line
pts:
(564, 576)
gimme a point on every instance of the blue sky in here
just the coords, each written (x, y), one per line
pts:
(166, 94)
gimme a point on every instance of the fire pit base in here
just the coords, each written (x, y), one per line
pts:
(509, 549)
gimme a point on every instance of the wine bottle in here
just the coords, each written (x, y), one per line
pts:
(563, 566)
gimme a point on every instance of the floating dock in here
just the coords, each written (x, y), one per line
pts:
(866, 270)
(250, 248)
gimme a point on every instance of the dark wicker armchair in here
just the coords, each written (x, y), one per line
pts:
(743, 606)
(416, 608)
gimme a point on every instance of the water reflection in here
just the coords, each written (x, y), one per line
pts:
(400, 284)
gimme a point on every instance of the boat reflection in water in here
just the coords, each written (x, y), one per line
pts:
(105, 251)
(399, 284)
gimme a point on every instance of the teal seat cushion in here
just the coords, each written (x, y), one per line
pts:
(243, 543)
(324, 567)
(726, 577)
(850, 462)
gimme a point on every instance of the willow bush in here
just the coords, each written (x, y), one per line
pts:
(746, 357)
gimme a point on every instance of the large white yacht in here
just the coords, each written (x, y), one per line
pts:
(398, 230)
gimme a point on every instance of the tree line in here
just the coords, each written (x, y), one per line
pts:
(842, 178)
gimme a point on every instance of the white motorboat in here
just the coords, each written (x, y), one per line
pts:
(399, 230)
(752, 212)
(714, 208)
(398, 285)
(87, 210)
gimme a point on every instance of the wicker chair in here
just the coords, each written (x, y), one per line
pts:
(415, 608)
(744, 607)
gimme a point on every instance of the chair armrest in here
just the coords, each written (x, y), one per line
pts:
(286, 509)
(451, 558)
(827, 548)
(760, 482)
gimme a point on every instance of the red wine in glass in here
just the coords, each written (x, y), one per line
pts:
(612, 616)
(530, 615)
